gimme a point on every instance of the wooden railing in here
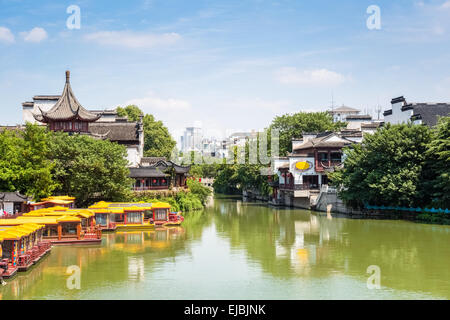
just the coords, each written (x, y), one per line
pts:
(304, 186)
(150, 188)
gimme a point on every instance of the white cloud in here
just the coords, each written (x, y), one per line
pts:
(132, 39)
(317, 77)
(152, 103)
(6, 35)
(34, 35)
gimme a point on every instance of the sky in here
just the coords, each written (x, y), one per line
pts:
(224, 65)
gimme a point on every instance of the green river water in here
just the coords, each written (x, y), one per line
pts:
(246, 250)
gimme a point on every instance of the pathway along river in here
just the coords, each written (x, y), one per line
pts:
(246, 250)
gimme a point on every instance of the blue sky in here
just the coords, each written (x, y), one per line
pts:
(230, 65)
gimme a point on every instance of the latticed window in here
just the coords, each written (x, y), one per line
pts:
(134, 217)
(161, 214)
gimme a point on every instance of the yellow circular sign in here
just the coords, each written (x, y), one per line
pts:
(302, 165)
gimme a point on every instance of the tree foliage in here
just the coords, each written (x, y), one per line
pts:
(24, 163)
(199, 190)
(157, 139)
(386, 169)
(89, 169)
(437, 174)
(294, 125)
(39, 163)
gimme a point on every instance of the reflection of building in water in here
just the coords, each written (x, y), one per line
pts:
(136, 268)
(138, 241)
(22, 283)
(239, 207)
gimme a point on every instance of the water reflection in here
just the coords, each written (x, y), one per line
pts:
(295, 243)
(237, 249)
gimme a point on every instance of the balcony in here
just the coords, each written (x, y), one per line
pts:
(297, 187)
(151, 188)
(327, 165)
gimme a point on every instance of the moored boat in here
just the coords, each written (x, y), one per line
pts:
(21, 247)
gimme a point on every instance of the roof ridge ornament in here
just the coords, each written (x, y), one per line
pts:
(67, 76)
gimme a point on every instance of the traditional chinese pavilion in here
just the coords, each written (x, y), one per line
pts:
(156, 173)
(67, 114)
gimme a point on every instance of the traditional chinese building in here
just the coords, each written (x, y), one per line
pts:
(65, 113)
(304, 171)
(418, 113)
(158, 174)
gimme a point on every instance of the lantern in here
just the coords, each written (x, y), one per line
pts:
(163, 180)
(154, 180)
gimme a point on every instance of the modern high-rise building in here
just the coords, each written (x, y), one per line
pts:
(192, 140)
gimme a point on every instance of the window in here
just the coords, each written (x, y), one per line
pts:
(100, 218)
(323, 156)
(161, 214)
(134, 217)
(69, 229)
(336, 157)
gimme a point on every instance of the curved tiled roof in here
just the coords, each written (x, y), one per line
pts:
(322, 141)
(67, 108)
(146, 172)
(116, 131)
(12, 197)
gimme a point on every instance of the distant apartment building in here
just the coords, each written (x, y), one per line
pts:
(191, 140)
(418, 113)
(341, 113)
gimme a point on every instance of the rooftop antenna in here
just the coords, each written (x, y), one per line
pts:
(332, 106)
(332, 101)
(378, 108)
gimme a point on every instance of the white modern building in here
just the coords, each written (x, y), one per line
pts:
(192, 139)
(341, 113)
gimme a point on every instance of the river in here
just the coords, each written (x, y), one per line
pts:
(246, 250)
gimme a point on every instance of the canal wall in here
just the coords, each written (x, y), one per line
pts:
(330, 198)
(254, 195)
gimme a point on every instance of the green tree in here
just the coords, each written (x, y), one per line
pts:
(89, 169)
(199, 190)
(386, 168)
(294, 125)
(24, 163)
(132, 112)
(157, 139)
(437, 175)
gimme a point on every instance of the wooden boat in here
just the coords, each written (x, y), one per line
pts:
(163, 217)
(61, 201)
(134, 215)
(21, 247)
(62, 230)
